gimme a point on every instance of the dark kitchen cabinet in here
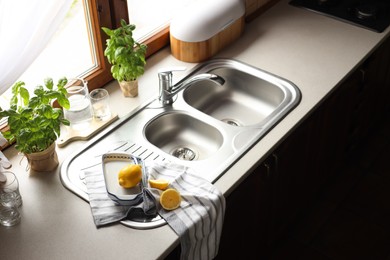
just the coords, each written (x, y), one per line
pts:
(372, 95)
(333, 128)
(371, 102)
(310, 156)
(292, 178)
(288, 180)
(247, 217)
(268, 199)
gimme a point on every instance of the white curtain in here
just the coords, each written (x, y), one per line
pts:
(26, 26)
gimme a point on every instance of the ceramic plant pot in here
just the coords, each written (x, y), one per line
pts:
(129, 88)
(44, 161)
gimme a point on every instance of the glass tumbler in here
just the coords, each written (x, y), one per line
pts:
(10, 200)
(9, 191)
(9, 216)
(100, 104)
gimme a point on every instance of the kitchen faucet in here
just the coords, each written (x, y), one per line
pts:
(168, 91)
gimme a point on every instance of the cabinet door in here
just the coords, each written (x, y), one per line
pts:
(244, 234)
(294, 179)
(378, 79)
(336, 123)
(374, 92)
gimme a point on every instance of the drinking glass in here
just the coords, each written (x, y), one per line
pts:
(9, 216)
(100, 104)
(80, 112)
(10, 200)
(9, 191)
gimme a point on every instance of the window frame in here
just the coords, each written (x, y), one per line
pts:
(108, 14)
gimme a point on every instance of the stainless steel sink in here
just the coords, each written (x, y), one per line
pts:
(249, 97)
(208, 127)
(245, 99)
(183, 136)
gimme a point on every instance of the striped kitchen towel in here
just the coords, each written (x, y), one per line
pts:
(198, 221)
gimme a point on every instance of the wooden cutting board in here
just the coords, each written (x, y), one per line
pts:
(69, 134)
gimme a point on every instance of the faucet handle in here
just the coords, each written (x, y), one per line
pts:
(165, 84)
(166, 73)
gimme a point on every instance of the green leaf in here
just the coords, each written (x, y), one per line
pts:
(16, 87)
(63, 101)
(35, 102)
(25, 95)
(65, 121)
(14, 101)
(39, 91)
(107, 31)
(123, 23)
(119, 52)
(47, 111)
(62, 83)
(49, 83)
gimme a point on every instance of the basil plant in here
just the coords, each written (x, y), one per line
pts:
(33, 123)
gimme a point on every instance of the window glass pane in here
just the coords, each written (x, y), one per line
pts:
(150, 16)
(68, 54)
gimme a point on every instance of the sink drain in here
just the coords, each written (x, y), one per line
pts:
(231, 122)
(184, 153)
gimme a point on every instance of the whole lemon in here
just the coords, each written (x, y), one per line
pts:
(130, 175)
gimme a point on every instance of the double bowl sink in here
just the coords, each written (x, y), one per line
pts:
(208, 127)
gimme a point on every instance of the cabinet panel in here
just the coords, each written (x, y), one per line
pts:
(246, 217)
(374, 90)
(336, 125)
(384, 85)
(293, 178)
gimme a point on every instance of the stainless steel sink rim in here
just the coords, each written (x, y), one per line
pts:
(236, 141)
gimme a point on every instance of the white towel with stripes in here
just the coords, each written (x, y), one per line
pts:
(198, 221)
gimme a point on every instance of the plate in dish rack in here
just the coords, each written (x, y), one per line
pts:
(112, 163)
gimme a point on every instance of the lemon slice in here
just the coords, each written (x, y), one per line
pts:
(170, 199)
(160, 184)
(130, 175)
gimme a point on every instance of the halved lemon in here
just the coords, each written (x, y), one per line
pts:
(160, 184)
(170, 199)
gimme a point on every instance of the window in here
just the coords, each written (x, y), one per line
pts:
(78, 45)
(152, 16)
(68, 52)
(89, 61)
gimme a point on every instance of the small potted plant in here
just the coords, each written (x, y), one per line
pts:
(126, 56)
(34, 124)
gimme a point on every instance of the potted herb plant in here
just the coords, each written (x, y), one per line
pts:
(126, 56)
(34, 124)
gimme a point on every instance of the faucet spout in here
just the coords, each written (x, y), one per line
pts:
(168, 91)
(205, 76)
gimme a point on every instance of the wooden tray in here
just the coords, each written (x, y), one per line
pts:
(69, 134)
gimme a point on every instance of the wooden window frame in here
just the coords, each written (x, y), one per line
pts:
(108, 14)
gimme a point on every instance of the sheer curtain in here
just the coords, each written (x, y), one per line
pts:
(26, 26)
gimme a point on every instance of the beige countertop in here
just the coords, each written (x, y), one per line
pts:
(313, 51)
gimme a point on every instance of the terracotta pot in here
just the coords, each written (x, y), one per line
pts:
(129, 88)
(44, 161)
